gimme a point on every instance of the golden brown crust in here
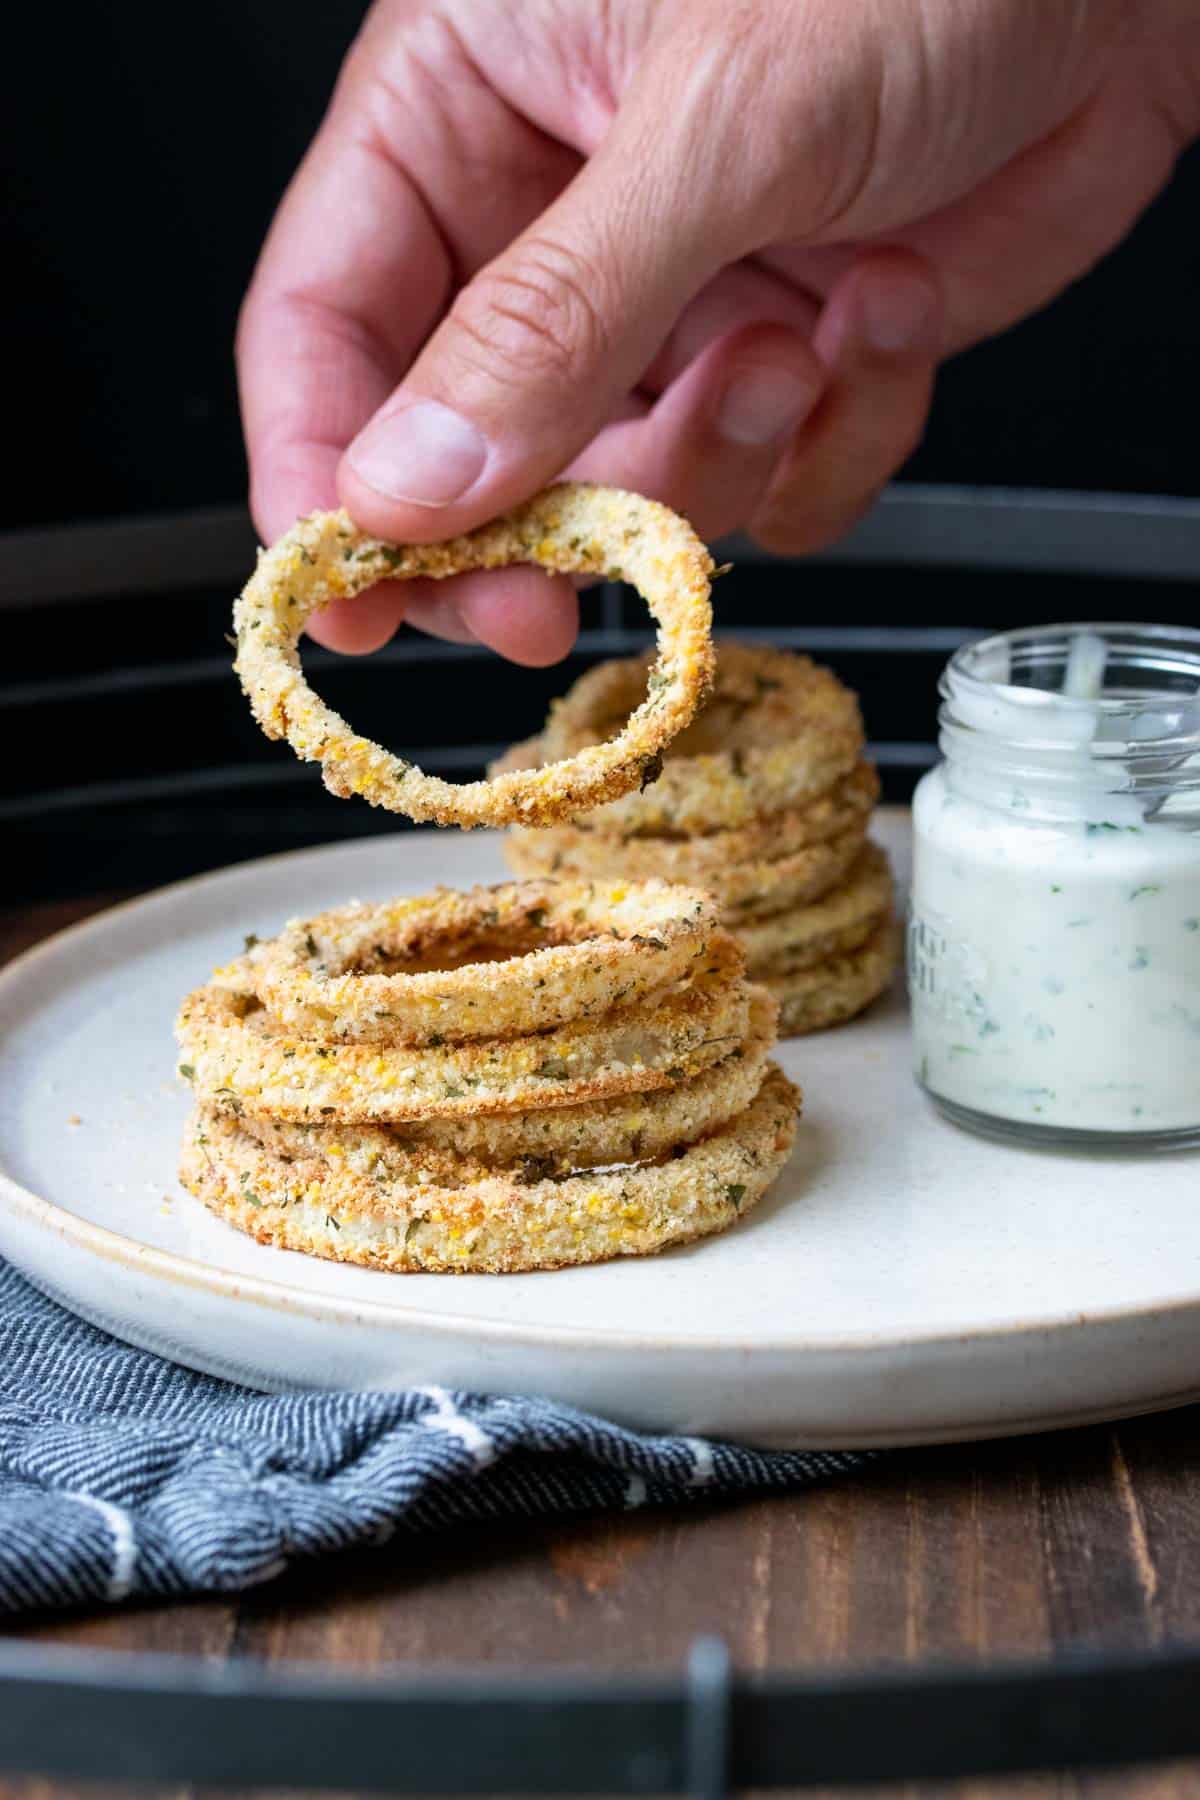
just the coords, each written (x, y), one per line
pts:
(760, 697)
(813, 999)
(755, 890)
(573, 527)
(448, 966)
(578, 850)
(492, 1224)
(241, 1058)
(841, 921)
(777, 733)
(552, 1140)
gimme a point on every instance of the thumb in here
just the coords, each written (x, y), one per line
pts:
(539, 350)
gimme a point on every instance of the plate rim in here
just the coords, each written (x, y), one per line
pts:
(282, 1296)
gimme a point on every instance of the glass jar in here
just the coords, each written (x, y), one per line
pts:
(1054, 936)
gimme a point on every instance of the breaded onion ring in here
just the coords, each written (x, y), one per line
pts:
(516, 957)
(841, 921)
(241, 1059)
(493, 1224)
(578, 850)
(777, 733)
(573, 527)
(813, 999)
(754, 890)
(554, 1140)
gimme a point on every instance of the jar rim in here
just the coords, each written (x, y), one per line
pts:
(1177, 647)
(1151, 713)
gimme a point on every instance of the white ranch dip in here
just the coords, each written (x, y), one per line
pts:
(1054, 943)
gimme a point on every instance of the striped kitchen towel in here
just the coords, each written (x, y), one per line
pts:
(122, 1474)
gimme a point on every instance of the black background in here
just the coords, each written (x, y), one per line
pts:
(148, 144)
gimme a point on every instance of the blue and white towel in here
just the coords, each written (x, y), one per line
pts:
(122, 1474)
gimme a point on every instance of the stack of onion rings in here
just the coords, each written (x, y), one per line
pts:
(834, 925)
(247, 1061)
(765, 800)
(516, 1077)
(572, 528)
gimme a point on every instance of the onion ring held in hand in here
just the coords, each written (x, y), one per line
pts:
(492, 1223)
(241, 1060)
(571, 528)
(553, 1140)
(488, 963)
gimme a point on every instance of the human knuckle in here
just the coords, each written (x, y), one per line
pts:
(539, 310)
(790, 528)
(782, 533)
(845, 126)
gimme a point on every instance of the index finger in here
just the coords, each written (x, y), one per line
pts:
(351, 277)
(355, 272)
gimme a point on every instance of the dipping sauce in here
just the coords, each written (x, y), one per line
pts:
(1054, 939)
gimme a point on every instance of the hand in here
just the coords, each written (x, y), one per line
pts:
(707, 249)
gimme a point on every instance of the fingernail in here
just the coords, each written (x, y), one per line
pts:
(424, 453)
(899, 315)
(761, 404)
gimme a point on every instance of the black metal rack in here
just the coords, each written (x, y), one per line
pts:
(704, 1732)
(707, 1730)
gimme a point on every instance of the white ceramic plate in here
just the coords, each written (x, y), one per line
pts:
(903, 1283)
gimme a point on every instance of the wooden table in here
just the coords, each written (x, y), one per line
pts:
(1016, 1548)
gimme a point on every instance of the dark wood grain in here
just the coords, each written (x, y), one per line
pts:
(1016, 1548)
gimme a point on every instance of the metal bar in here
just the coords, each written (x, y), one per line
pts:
(845, 640)
(447, 759)
(449, 1738)
(180, 784)
(710, 1681)
(610, 606)
(105, 684)
(1155, 537)
(1088, 1711)
(1032, 530)
(211, 547)
(897, 755)
(116, 1718)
